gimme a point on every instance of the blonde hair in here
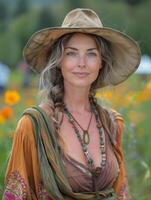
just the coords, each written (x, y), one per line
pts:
(51, 79)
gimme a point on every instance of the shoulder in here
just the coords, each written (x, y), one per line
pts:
(37, 111)
(115, 116)
(45, 107)
(114, 122)
(30, 121)
(111, 114)
(24, 123)
(24, 132)
(117, 127)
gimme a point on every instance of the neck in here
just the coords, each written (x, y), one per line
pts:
(77, 100)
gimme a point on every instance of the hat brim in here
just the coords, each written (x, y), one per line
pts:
(125, 50)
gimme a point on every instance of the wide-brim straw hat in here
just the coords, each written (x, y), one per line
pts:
(125, 50)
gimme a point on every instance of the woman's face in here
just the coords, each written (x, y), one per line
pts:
(81, 61)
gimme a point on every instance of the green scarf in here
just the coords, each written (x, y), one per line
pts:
(51, 166)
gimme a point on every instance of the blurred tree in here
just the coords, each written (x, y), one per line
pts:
(3, 10)
(134, 2)
(3, 15)
(130, 2)
(21, 7)
(45, 18)
(117, 14)
(13, 41)
(71, 4)
(10, 48)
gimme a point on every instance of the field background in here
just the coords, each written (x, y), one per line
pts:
(20, 18)
(132, 99)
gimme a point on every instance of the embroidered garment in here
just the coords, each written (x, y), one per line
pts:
(16, 187)
(23, 177)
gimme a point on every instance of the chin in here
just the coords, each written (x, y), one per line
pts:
(82, 84)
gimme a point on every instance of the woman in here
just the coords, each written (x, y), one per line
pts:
(69, 147)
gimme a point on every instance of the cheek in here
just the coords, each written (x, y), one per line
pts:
(95, 66)
(95, 61)
(67, 64)
(66, 68)
(95, 69)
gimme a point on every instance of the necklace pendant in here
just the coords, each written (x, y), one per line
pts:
(86, 138)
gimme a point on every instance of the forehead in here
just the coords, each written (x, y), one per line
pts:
(80, 39)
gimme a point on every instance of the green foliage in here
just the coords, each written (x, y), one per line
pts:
(134, 2)
(22, 18)
(21, 7)
(3, 16)
(45, 18)
(3, 13)
(10, 48)
(13, 41)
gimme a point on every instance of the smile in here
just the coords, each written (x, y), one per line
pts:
(81, 74)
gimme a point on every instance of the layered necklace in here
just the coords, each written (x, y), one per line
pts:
(85, 139)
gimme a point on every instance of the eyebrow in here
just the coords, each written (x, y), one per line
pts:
(75, 49)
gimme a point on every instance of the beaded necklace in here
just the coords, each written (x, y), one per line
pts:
(86, 137)
(95, 171)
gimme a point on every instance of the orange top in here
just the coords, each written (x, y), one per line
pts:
(23, 180)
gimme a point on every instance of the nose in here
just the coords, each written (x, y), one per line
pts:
(82, 61)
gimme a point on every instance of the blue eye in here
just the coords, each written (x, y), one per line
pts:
(92, 54)
(71, 53)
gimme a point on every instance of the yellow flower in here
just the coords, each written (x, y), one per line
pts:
(148, 86)
(105, 95)
(11, 97)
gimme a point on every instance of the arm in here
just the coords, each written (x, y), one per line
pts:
(22, 180)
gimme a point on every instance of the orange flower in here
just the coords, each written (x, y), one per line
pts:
(144, 95)
(6, 112)
(11, 97)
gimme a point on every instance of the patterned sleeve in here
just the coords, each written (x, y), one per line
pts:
(121, 184)
(22, 179)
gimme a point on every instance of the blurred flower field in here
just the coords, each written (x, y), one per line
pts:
(132, 99)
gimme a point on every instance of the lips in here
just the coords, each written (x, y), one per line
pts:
(81, 74)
